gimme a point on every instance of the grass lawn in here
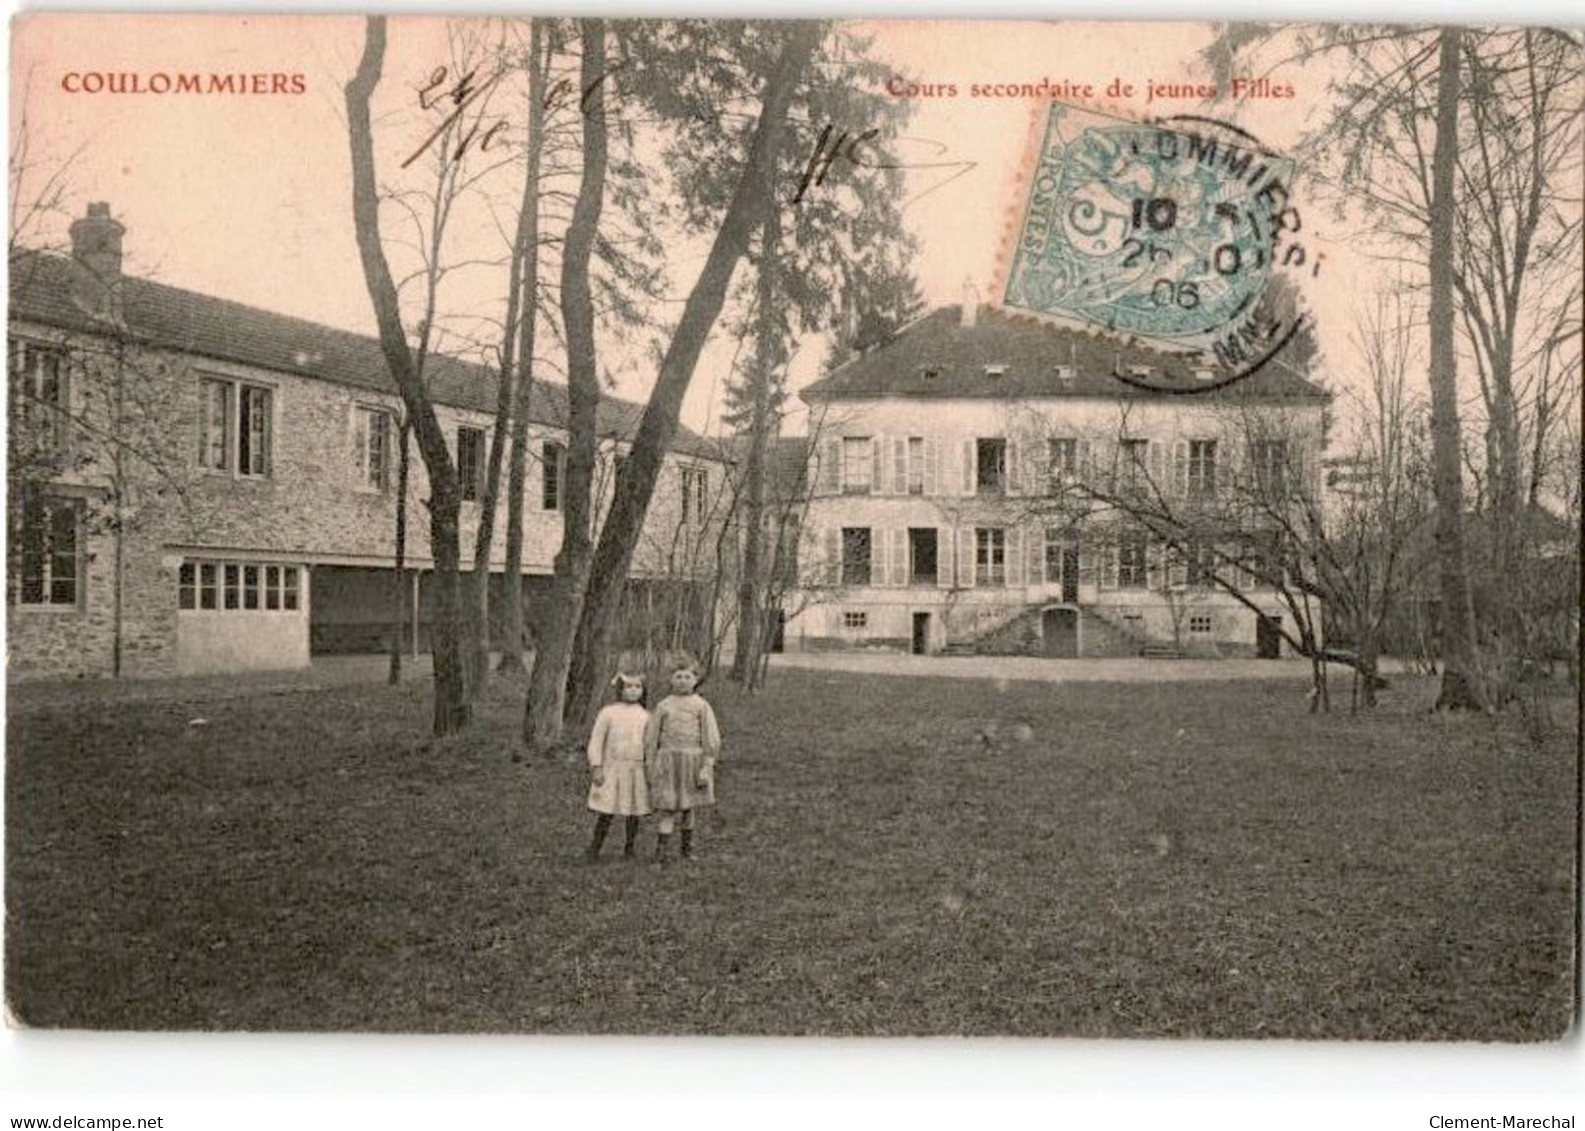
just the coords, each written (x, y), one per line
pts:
(1143, 860)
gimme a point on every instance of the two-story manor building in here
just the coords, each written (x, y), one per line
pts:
(195, 485)
(976, 481)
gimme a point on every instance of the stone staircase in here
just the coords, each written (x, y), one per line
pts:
(1105, 634)
(1021, 633)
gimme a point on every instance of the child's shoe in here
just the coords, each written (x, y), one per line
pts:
(687, 844)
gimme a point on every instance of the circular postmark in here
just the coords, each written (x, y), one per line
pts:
(1164, 231)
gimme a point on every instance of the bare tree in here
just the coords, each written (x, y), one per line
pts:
(538, 65)
(542, 718)
(1389, 146)
(752, 191)
(452, 711)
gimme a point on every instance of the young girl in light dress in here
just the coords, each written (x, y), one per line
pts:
(616, 764)
(681, 745)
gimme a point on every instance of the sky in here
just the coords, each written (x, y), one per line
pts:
(248, 196)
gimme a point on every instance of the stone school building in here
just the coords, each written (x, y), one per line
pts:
(973, 478)
(199, 486)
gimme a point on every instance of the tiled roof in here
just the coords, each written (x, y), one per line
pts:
(205, 326)
(936, 356)
(786, 463)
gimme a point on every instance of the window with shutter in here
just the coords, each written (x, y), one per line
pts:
(833, 556)
(967, 467)
(470, 462)
(858, 465)
(1132, 564)
(857, 556)
(990, 556)
(1108, 562)
(48, 566)
(990, 466)
(830, 477)
(943, 555)
(932, 467)
(1202, 469)
(1035, 549)
(1015, 556)
(552, 464)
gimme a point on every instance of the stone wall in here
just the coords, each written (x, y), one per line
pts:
(311, 508)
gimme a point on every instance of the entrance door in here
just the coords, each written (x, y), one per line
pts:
(1268, 642)
(1070, 574)
(1060, 631)
(921, 634)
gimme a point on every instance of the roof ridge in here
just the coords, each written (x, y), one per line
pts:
(478, 368)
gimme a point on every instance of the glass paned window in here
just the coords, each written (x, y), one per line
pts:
(374, 448)
(552, 460)
(1271, 465)
(990, 555)
(916, 465)
(289, 595)
(1133, 464)
(250, 587)
(470, 462)
(253, 457)
(272, 587)
(1202, 468)
(990, 465)
(233, 579)
(855, 555)
(214, 424)
(40, 395)
(857, 465)
(1063, 459)
(208, 586)
(1132, 551)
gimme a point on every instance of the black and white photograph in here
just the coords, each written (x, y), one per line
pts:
(588, 526)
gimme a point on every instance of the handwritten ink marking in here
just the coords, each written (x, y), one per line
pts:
(469, 90)
(821, 160)
(463, 96)
(850, 148)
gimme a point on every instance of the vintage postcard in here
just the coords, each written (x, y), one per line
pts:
(567, 525)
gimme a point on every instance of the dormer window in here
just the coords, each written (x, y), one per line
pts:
(1140, 370)
(1205, 374)
(929, 372)
(996, 371)
(1063, 372)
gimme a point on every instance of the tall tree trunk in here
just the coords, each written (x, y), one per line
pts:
(451, 710)
(400, 590)
(619, 537)
(512, 603)
(1460, 678)
(542, 718)
(750, 620)
(524, 247)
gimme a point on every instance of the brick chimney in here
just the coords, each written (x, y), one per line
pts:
(971, 304)
(96, 256)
